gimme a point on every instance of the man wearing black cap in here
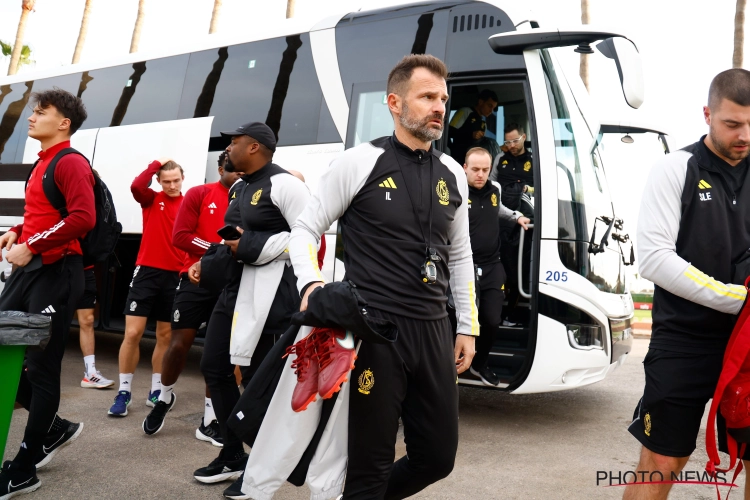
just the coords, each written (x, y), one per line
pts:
(468, 125)
(247, 318)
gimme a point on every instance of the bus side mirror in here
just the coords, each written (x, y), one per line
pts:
(629, 67)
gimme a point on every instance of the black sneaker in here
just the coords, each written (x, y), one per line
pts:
(56, 440)
(210, 433)
(15, 482)
(488, 376)
(155, 420)
(222, 469)
(235, 490)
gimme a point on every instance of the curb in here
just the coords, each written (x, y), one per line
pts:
(641, 334)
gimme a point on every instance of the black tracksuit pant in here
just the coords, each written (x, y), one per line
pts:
(490, 310)
(415, 379)
(217, 369)
(53, 289)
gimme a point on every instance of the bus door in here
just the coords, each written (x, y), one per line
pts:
(472, 123)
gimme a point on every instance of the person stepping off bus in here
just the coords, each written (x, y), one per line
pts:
(485, 208)
(47, 279)
(155, 278)
(200, 216)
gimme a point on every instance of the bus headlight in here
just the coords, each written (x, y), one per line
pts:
(585, 337)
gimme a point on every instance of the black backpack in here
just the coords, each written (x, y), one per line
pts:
(100, 242)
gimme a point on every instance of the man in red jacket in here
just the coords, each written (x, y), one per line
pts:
(47, 279)
(157, 272)
(200, 216)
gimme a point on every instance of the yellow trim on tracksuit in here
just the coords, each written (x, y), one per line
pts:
(474, 312)
(732, 291)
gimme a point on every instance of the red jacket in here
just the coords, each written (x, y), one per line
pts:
(43, 230)
(159, 213)
(199, 217)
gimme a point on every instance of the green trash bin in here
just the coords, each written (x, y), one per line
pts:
(18, 330)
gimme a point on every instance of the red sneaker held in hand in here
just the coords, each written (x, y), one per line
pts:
(305, 366)
(336, 355)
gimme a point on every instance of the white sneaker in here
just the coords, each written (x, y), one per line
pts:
(508, 323)
(96, 381)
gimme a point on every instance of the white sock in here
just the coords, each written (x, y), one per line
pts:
(166, 393)
(90, 364)
(126, 382)
(155, 382)
(208, 413)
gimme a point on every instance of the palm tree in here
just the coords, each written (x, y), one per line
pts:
(7, 49)
(215, 17)
(84, 30)
(290, 8)
(584, 66)
(739, 34)
(26, 7)
(138, 25)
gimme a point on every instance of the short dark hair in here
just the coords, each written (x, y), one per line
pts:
(487, 94)
(732, 84)
(170, 165)
(401, 72)
(222, 158)
(68, 105)
(511, 127)
(476, 150)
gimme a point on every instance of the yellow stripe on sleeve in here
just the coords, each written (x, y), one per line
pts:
(314, 260)
(474, 313)
(734, 291)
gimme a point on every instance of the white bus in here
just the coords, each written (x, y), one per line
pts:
(320, 85)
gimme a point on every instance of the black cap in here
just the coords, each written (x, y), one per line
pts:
(258, 131)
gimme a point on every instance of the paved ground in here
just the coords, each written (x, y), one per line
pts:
(543, 446)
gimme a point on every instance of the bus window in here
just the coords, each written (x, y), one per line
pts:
(136, 93)
(13, 113)
(369, 117)
(582, 192)
(581, 185)
(271, 81)
(367, 50)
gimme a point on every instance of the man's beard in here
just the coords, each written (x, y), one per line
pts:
(420, 128)
(228, 166)
(725, 150)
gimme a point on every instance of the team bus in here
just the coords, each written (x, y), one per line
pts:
(320, 85)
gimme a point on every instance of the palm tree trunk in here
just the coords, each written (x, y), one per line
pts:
(215, 17)
(138, 25)
(739, 34)
(584, 66)
(290, 8)
(26, 7)
(84, 30)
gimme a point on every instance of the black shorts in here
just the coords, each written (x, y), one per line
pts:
(192, 305)
(151, 293)
(668, 417)
(88, 300)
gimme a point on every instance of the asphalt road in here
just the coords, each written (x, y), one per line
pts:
(540, 446)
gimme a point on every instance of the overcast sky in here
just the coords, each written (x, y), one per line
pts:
(682, 50)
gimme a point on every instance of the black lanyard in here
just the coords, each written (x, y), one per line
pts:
(430, 253)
